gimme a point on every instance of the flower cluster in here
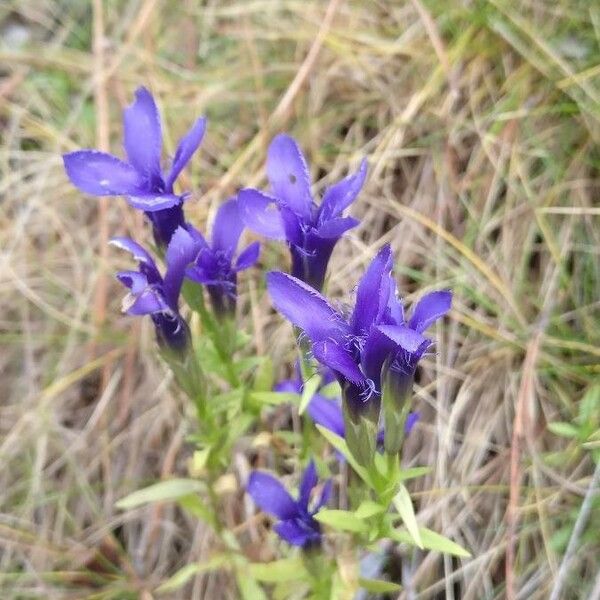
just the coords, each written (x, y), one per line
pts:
(373, 344)
(372, 352)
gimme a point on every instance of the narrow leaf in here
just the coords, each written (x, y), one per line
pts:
(431, 541)
(172, 489)
(406, 474)
(340, 445)
(181, 577)
(278, 571)
(435, 541)
(342, 520)
(367, 509)
(563, 429)
(195, 507)
(405, 509)
(308, 391)
(331, 390)
(249, 588)
(377, 586)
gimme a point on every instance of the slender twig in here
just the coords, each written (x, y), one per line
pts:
(580, 523)
(595, 593)
(521, 424)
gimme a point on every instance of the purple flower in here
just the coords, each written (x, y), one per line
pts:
(157, 296)
(291, 213)
(373, 342)
(297, 524)
(141, 179)
(214, 266)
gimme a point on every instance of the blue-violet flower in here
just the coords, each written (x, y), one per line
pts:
(152, 294)
(291, 213)
(297, 524)
(141, 179)
(214, 266)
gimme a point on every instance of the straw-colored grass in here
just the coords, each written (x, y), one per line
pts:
(480, 121)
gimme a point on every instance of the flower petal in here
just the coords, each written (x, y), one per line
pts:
(292, 225)
(292, 386)
(305, 307)
(143, 136)
(403, 336)
(327, 413)
(296, 533)
(248, 256)
(181, 251)
(384, 341)
(307, 483)
(270, 496)
(335, 357)
(325, 495)
(153, 202)
(200, 275)
(429, 309)
(335, 228)
(101, 174)
(147, 264)
(288, 175)
(188, 144)
(372, 294)
(149, 302)
(227, 227)
(340, 195)
(411, 421)
(261, 214)
(395, 309)
(137, 251)
(134, 281)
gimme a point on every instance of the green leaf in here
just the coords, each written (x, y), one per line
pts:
(435, 541)
(193, 505)
(377, 586)
(181, 577)
(406, 474)
(241, 365)
(249, 588)
(340, 445)
(286, 569)
(589, 406)
(331, 390)
(227, 400)
(405, 509)
(264, 378)
(172, 489)
(395, 407)
(342, 520)
(274, 398)
(237, 427)
(367, 509)
(563, 429)
(308, 391)
(200, 458)
(591, 445)
(431, 541)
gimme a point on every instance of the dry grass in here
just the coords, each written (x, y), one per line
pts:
(481, 122)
